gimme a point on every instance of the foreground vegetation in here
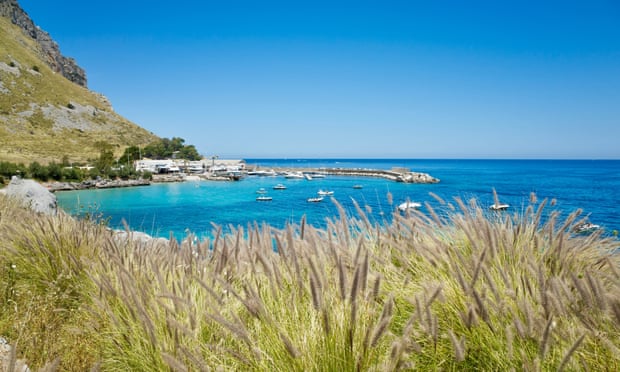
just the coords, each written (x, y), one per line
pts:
(456, 291)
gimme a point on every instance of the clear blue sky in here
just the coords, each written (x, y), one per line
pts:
(411, 79)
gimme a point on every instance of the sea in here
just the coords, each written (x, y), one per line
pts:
(200, 207)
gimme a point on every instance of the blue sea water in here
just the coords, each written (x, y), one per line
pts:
(179, 208)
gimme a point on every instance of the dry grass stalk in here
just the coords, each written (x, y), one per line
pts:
(544, 342)
(288, 344)
(173, 363)
(342, 280)
(570, 352)
(458, 346)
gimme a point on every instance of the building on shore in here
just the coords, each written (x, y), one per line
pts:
(166, 166)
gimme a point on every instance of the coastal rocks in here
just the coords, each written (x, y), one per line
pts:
(32, 195)
(8, 362)
(137, 237)
(90, 184)
(398, 174)
(416, 177)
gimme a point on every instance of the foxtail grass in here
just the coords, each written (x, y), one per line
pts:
(451, 288)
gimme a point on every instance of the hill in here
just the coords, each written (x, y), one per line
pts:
(45, 116)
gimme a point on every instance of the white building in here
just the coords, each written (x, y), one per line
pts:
(190, 166)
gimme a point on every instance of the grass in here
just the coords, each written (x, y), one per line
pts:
(27, 138)
(464, 290)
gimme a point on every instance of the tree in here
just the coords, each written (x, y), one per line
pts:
(165, 148)
(54, 171)
(38, 171)
(131, 154)
(106, 157)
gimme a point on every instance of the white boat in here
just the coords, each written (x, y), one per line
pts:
(499, 206)
(264, 198)
(308, 177)
(261, 191)
(262, 173)
(408, 205)
(325, 193)
(357, 187)
(586, 227)
(315, 200)
(279, 187)
(294, 175)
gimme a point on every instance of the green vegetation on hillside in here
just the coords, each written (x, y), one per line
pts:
(466, 291)
(44, 116)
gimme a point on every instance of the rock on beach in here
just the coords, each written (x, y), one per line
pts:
(32, 195)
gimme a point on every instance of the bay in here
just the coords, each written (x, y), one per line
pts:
(176, 209)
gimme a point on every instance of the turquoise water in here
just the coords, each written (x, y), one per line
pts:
(178, 208)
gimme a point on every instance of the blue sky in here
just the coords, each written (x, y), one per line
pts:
(406, 79)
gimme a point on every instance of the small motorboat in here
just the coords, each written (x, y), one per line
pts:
(261, 191)
(315, 200)
(499, 206)
(357, 187)
(279, 187)
(263, 198)
(408, 205)
(325, 193)
(294, 175)
(586, 227)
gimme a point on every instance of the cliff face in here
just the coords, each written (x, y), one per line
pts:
(45, 116)
(67, 67)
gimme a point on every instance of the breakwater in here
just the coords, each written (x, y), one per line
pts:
(396, 174)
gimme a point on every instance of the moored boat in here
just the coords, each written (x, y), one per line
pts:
(264, 198)
(315, 200)
(325, 193)
(586, 227)
(279, 187)
(499, 206)
(408, 205)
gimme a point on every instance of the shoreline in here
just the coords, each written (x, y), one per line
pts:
(396, 175)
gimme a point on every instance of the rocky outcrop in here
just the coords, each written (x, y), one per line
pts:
(66, 66)
(8, 360)
(32, 195)
(90, 184)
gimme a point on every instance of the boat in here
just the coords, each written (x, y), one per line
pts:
(408, 205)
(357, 187)
(325, 193)
(279, 187)
(262, 173)
(315, 200)
(586, 227)
(499, 206)
(264, 198)
(261, 191)
(294, 175)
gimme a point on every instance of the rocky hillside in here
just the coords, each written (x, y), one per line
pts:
(50, 52)
(46, 112)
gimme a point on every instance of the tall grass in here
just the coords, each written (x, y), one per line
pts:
(434, 290)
